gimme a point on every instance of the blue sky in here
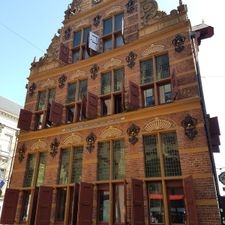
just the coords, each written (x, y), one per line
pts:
(27, 27)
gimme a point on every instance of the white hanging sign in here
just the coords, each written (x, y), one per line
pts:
(93, 42)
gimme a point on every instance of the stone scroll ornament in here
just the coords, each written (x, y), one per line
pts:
(91, 139)
(94, 71)
(54, 147)
(133, 132)
(178, 43)
(130, 6)
(131, 59)
(62, 79)
(189, 124)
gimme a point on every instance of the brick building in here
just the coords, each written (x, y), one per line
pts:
(114, 129)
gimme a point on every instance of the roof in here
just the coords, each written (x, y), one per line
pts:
(9, 106)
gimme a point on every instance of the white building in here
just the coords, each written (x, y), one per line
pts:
(9, 113)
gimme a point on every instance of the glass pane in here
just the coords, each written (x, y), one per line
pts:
(85, 34)
(107, 45)
(71, 92)
(146, 71)
(70, 114)
(82, 89)
(177, 206)
(162, 67)
(51, 95)
(107, 26)
(149, 97)
(118, 160)
(77, 38)
(118, 22)
(29, 170)
(118, 104)
(41, 169)
(104, 206)
(152, 161)
(106, 107)
(77, 164)
(155, 199)
(60, 204)
(170, 154)
(103, 160)
(106, 83)
(39, 121)
(64, 167)
(119, 204)
(76, 56)
(118, 80)
(85, 53)
(25, 206)
(41, 100)
(119, 41)
(165, 93)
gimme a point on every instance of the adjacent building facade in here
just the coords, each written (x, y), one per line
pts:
(9, 115)
(114, 129)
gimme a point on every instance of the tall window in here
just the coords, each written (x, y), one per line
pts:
(111, 160)
(35, 169)
(80, 40)
(112, 32)
(156, 81)
(44, 102)
(112, 92)
(162, 146)
(70, 165)
(76, 101)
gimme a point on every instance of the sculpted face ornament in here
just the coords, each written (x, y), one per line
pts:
(91, 138)
(62, 80)
(178, 43)
(22, 151)
(133, 132)
(94, 71)
(189, 124)
(31, 89)
(130, 6)
(67, 33)
(54, 147)
(131, 59)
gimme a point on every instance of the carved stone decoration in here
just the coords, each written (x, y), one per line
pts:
(54, 147)
(1, 127)
(149, 11)
(112, 63)
(73, 9)
(159, 124)
(72, 140)
(67, 33)
(94, 71)
(178, 43)
(39, 145)
(22, 150)
(153, 49)
(114, 10)
(130, 6)
(96, 20)
(91, 138)
(111, 132)
(48, 84)
(189, 124)
(131, 59)
(31, 89)
(79, 74)
(62, 79)
(133, 132)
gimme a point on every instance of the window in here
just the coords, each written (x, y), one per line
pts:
(76, 101)
(156, 81)
(35, 162)
(80, 40)
(105, 206)
(26, 200)
(2, 173)
(112, 92)
(112, 32)
(70, 165)
(9, 140)
(111, 167)
(60, 209)
(161, 146)
(44, 102)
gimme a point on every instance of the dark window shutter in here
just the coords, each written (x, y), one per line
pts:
(214, 134)
(9, 206)
(44, 204)
(137, 202)
(133, 95)
(190, 201)
(64, 53)
(34, 206)
(174, 85)
(85, 204)
(75, 204)
(56, 112)
(92, 106)
(25, 119)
